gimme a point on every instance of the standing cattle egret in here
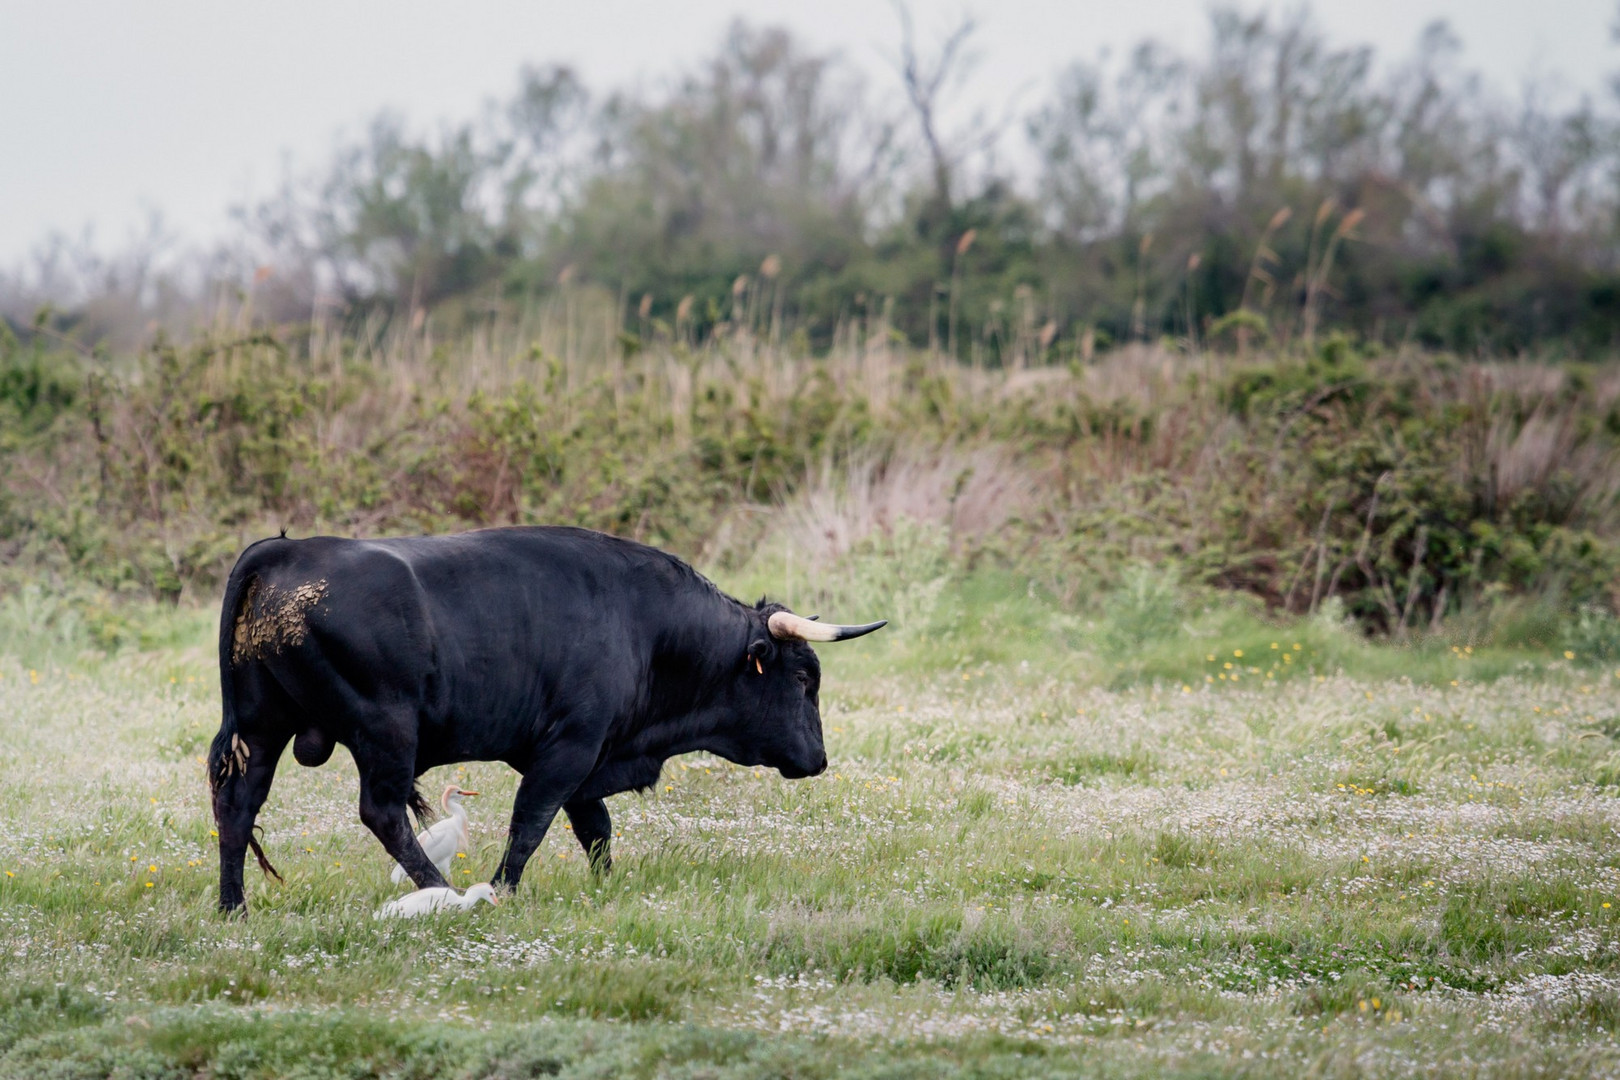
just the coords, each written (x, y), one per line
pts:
(427, 901)
(443, 839)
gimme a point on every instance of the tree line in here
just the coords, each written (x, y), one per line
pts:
(1273, 188)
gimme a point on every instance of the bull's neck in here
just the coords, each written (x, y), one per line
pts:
(693, 667)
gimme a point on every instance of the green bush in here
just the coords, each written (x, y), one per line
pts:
(1419, 492)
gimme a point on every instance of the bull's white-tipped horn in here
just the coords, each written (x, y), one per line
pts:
(787, 626)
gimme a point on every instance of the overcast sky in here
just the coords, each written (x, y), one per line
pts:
(110, 109)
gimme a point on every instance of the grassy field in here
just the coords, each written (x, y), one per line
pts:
(1021, 862)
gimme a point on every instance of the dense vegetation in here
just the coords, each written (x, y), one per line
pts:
(1274, 320)
(1276, 187)
(1422, 492)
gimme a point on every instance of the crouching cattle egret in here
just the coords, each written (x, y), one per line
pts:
(443, 839)
(427, 901)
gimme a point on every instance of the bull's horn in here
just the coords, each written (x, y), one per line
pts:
(787, 626)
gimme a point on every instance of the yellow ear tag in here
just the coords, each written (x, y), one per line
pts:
(759, 667)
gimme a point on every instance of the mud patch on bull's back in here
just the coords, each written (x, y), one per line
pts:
(272, 618)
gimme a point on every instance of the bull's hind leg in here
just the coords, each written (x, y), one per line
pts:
(385, 791)
(594, 831)
(237, 800)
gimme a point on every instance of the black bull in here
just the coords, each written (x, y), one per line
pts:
(581, 660)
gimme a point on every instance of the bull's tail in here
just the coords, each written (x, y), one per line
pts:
(228, 754)
(264, 863)
(420, 806)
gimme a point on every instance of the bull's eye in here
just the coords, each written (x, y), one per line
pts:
(804, 679)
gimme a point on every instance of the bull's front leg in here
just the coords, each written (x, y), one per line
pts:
(594, 831)
(546, 786)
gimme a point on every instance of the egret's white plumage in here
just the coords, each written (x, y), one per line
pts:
(442, 839)
(427, 901)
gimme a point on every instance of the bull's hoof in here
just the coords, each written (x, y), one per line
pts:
(233, 907)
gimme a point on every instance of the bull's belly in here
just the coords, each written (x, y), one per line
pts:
(616, 776)
(480, 737)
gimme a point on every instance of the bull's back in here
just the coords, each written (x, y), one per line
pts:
(483, 635)
(523, 617)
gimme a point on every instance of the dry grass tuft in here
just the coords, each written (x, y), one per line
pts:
(969, 493)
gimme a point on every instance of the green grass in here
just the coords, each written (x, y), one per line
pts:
(1046, 846)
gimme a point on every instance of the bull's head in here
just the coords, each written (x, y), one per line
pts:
(780, 685)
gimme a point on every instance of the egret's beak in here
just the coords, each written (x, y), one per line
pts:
(463, 791)
(494, 899)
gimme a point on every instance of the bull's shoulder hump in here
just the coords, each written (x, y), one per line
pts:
(555, 538)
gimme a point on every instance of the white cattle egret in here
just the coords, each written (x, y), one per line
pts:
(442, 839)
(427, 901)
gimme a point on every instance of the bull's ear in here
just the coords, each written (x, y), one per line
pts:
(761, 651)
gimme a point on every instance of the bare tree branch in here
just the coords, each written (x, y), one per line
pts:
(925, 81)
